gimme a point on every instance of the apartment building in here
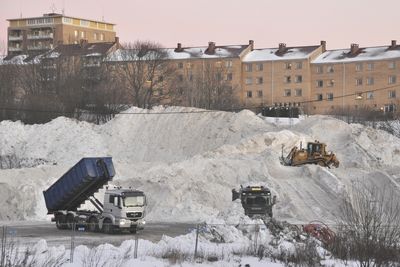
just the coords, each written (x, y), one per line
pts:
(356, 78)
(36, 35)
(278, 76)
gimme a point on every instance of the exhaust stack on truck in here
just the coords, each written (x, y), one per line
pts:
(121, 209)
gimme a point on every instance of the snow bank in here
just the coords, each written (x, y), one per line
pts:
(188, 163)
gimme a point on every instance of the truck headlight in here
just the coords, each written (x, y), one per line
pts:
(123, 222)
(143, 222)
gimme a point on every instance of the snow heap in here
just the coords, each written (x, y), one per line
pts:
(188, 163)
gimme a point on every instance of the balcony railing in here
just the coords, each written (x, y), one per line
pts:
(40, 36)
(14, 38)
(10, 48)
(39, 47)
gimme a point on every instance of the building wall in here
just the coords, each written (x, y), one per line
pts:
(345, 76)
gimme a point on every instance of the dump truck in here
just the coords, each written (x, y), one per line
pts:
(314, 153)
(121, 209)
(256, 200)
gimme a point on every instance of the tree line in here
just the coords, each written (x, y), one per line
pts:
(96, 87)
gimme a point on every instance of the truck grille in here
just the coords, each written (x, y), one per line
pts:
(133, 214)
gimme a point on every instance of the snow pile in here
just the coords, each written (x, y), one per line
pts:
(188, 163)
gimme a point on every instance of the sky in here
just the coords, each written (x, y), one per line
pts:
(228, 22)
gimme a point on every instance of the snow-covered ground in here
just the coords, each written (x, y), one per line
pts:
(188, 163)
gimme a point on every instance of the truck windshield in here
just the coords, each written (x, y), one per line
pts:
(133, 201)
(258, 200)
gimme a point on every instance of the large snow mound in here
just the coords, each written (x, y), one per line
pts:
(188, 163)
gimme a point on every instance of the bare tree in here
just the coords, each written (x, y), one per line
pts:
(369, 226)
(144, 69)
(209, 86)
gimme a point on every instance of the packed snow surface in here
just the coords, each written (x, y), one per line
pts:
(188, 161)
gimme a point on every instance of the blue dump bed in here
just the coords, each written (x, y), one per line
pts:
(79, 183)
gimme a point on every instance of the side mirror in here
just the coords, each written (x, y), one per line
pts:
(273, 200)
(235, 194)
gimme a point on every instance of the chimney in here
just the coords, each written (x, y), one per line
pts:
(211, 48)
(251, 44)
(282, 48)
(354, 49)
(323, 46)
(178, 48)
(393, 45)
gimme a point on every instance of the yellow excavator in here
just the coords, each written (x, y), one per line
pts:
(314, 153)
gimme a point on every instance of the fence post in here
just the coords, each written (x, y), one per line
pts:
(71, 256)
(197, 240)
(256, 231)
(3, 245)
(136, 247)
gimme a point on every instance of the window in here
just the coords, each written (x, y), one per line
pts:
(359, 95)
(248, 67)
(329, 96)
(76, 34)
(392, 79)
(82, 34)
(319, 69)
(160, 78)
(190, 77)
(95, 36)
(180, 78)
(370, 66)
(370, 80)
(392, 65)
(259, 67)
(67, 20)
(259, 93)
(320, 97)
(249, 94)
(358, 81)
(390, 108)
(330, 69)
(359, 67)
(101, 36)
(298, 79)
(84, 23)
(180, 65)
(229, 76)
(299, 65)
(392, 94)
(287, 92)
(249, 80)
(320, 83)
(287, 79)
(298, 92)
(228, 63)
(288, 66)
(259, 80)
(330, 83)
(370, 95)
(218, 76)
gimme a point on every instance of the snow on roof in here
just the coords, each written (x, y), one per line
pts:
(14, 60)
(364, 54)
(186, 53)
(270, 54)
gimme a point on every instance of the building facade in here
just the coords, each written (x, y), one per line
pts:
(39, 34)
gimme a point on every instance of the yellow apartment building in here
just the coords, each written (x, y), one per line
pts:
(38, 34)
(356, 78)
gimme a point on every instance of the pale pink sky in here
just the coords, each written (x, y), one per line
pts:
(226, 22)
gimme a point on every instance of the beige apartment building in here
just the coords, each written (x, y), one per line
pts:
(35, 35)
(356, 78)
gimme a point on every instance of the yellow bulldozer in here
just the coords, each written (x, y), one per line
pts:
(314, 153)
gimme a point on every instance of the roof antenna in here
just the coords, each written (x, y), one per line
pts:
(63, 7)
(20, 9)
(53, 8)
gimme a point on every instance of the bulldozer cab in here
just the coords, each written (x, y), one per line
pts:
(315, 147)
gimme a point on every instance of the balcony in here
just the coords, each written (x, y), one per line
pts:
(15, 37)
(41, 35)
(12, 49)
(39, 47)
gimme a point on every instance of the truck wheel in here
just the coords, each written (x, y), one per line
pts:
(70, 221)
(107, 226)
(60, 222)
(93, 224)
